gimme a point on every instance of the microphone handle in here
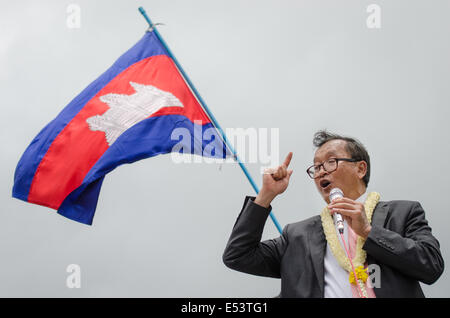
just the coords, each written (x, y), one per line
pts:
(339, 221)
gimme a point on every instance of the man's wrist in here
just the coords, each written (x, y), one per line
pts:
(367, 231)
(264, 199)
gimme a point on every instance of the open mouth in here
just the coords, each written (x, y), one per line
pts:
(324, 184)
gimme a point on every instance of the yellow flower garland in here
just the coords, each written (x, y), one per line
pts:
(361, 274)
(338, 251)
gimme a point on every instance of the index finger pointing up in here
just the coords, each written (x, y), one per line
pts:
(287, 161)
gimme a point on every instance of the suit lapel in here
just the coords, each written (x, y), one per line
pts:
(317, 247)
(379, 214)
(378, 219)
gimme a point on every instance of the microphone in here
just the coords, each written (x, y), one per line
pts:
(336, 193)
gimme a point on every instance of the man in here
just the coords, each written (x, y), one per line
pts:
(392, 238)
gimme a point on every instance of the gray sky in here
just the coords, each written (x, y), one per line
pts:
(300, 66)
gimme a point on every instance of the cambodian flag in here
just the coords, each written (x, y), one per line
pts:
(129, 113)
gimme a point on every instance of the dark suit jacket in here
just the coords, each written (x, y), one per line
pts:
(400, 242)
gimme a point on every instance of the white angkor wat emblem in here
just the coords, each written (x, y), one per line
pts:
(128, 110)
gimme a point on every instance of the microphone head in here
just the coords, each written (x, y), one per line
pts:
(335, 193)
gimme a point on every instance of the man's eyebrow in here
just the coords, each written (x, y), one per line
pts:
(328, 153)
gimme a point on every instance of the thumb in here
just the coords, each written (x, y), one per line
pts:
(290, 173)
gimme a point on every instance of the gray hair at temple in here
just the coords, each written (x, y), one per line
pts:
(354, 147)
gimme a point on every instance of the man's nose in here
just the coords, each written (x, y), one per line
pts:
(322, 171)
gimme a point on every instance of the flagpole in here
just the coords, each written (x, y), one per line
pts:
(208, 112)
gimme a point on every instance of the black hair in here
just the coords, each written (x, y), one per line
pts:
(354, 147)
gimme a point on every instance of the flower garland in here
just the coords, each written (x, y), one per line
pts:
(337, 250)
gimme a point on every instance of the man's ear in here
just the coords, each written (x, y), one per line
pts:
(362, 169)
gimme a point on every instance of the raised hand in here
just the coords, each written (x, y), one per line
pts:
(275, 182)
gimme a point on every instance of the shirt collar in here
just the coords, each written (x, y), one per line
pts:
(363, 197)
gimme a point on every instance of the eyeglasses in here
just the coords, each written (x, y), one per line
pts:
(329, 165)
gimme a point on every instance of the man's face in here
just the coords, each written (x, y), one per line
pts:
(347, 176)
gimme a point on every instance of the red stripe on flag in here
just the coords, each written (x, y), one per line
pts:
(77, 148)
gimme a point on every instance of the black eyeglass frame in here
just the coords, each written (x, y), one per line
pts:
(337, 163)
